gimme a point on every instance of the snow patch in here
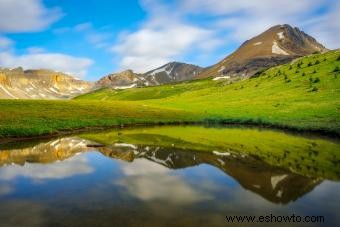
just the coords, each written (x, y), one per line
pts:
(279, 194)
(168, 72)
(221, 153)
(221, 69)
(125, 145)
(276, 179)
(277, 50)
(221, 162)
(281, 36)
(125, 87)
(163, 69)
(221, 77)
(258, 43)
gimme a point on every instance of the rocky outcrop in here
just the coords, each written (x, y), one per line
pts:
(39, 84)
(121, 80)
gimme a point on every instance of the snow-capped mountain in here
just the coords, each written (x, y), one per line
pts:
(278, 45)
(171, 72)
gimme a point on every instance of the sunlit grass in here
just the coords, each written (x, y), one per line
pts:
(303, 95)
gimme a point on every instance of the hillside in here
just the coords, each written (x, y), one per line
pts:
(39, 84)
(303, 94)
(278, 45)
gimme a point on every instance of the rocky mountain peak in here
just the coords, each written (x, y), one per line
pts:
(277, 45)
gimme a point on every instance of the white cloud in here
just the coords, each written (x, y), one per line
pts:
(154, 45)
(26, 16)
(247, 18)
(75, 66)
(99, 38)
(326, 28)
(163, 37)
(149, 181)
(35, 50)
(5, 43)
(77, 165)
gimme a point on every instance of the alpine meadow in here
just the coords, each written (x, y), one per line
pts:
(169, 113)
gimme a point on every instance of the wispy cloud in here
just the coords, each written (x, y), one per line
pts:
(99, 38)
(36, 59)
(247, 18)
(26, 16)
(160, 39)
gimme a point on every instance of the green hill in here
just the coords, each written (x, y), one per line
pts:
(304, 94)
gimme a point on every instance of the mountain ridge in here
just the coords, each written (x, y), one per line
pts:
(39, 84)
(277, 45)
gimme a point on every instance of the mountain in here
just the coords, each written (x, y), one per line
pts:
(173, 72)
(39, 84)
(121, 80)
(170, 72)
(278, 45)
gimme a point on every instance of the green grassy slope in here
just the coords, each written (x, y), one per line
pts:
(303, 95)
(37, 117)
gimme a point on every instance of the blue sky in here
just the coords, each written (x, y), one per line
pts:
(92, 38)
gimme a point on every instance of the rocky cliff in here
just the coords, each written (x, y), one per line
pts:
(39, 84)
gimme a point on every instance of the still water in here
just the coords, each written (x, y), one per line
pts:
(169, 176)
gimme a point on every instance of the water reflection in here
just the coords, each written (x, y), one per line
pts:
(150, 179)
(45, 152)
(151, 168)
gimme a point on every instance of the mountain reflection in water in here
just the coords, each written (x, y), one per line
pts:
(274, 184)
(77, 181)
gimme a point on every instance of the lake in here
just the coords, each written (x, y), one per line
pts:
(170, 176)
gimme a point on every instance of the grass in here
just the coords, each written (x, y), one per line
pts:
(311, 157)
(278, 97)
(307, 100)
(39, 117)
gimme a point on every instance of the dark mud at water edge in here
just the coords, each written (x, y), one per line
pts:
(169, 176)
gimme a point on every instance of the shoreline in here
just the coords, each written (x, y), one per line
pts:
(321, 133)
